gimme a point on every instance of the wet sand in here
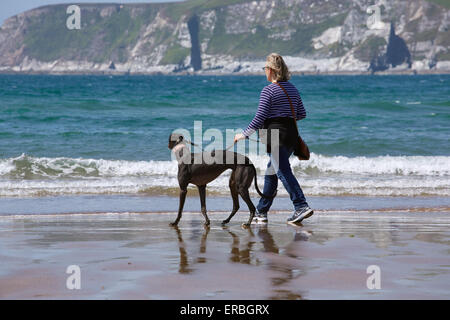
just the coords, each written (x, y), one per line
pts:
(138, 256)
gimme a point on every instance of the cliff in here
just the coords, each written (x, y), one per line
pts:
(230, 36)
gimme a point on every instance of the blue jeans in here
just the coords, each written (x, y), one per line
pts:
(283, 170)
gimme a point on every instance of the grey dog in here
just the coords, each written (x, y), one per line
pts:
(200, 174)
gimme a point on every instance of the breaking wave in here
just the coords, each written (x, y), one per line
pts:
(322, 175)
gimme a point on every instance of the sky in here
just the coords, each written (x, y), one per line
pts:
(9, 8)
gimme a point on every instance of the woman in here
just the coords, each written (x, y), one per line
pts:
(274, 112)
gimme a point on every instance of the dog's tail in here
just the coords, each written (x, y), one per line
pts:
(257, 189)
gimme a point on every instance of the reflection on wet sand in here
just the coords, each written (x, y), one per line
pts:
(138, 255)
(184, 260)
(284, 270)
(243, 250)
(238, 254)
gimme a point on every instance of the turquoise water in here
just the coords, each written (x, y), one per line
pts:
(108, 134)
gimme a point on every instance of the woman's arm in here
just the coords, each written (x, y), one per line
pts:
(301, 112)
(265, 101)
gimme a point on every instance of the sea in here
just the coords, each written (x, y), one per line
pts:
(68, 138)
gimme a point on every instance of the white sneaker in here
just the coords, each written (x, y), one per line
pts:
(261, 217)
(299, 215)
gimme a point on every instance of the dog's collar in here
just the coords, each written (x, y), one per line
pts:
(178, 147)
(182, 153)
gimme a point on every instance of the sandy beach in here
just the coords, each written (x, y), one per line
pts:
(138, 256)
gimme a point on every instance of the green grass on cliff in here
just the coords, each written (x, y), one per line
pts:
(175, 54)
(443, 3)
(189, 7)
(370, 48)
(257, 44)
(99, 39)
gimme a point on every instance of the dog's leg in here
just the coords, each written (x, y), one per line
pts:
(202, 259)
(184, 261)
(235, 196)
(202, 192)
(243, 191)
(234, 248)
(183, 193)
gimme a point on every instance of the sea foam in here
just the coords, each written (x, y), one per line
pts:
(321, 175)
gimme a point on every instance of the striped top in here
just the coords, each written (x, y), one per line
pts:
(273, 102)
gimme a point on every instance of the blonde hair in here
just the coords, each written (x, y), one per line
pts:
(280, 70)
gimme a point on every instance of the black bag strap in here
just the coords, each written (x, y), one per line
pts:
(292, 106)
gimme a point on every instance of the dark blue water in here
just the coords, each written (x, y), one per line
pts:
(131, 117)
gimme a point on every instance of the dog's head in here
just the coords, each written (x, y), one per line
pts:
(174, 139)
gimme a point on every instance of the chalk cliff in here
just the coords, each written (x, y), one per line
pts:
(230, 36)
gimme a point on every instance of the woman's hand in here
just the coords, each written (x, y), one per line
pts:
(238, 137)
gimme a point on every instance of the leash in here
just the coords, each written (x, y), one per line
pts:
(194, 144)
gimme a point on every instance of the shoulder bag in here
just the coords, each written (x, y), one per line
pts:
(301, 149)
